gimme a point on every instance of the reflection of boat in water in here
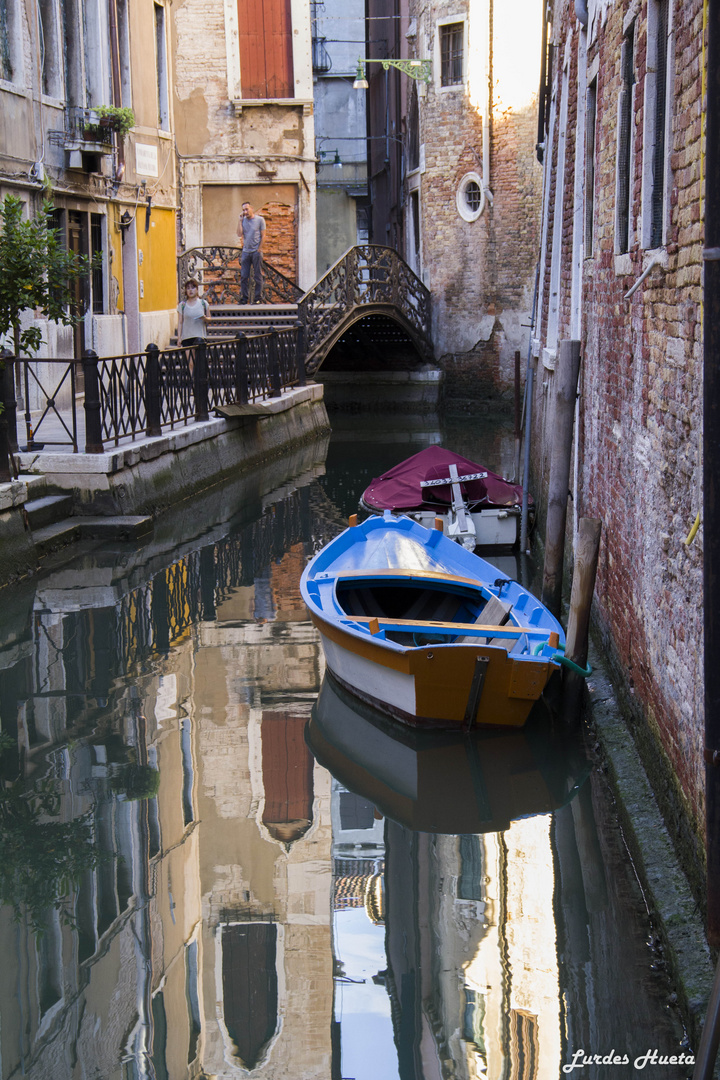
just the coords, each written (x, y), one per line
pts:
(445, 782)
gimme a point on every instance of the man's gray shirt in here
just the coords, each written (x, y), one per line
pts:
(253, 229)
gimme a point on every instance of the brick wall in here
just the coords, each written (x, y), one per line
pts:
(638, 464)
(481, 273)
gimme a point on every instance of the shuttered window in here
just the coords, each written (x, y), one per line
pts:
(266, 66)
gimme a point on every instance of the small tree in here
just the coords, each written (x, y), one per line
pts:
(36, 271)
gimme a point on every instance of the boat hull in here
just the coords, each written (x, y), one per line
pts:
(493, 528)
(432, 686)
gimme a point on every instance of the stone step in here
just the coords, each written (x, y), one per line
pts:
(47, 509)
(239, 309)
(69, 530)
(58, 535)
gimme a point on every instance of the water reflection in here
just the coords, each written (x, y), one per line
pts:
(236, 910)
(446, 782)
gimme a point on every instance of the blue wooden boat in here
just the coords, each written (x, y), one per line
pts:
(425, 630)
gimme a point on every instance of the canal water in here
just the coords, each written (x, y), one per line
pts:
(214, 863)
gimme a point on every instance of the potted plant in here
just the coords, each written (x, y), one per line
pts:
(116, 118)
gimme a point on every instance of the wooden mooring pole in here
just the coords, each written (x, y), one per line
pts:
(587, 548)
(518, 419)
(558, 491)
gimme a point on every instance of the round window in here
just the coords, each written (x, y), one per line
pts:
(470, 199)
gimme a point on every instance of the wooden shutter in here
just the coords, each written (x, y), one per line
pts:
(266, 67)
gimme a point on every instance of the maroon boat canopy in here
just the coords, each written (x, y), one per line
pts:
(400, 488)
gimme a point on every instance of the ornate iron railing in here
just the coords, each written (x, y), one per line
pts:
(144, 394)
(365, 277)
(218, 270)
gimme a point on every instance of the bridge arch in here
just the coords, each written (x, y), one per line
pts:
(368, 281)
(374, 338)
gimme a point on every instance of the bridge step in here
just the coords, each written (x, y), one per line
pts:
(241, 308)
(229, 319)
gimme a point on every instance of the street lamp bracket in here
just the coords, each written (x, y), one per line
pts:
(420, 70)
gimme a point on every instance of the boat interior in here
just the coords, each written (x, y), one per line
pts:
(426, 602)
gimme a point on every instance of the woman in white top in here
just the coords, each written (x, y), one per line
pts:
(193, 315)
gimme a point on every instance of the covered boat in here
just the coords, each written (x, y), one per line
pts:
(445, 781)
(478, 508)
(421, 628)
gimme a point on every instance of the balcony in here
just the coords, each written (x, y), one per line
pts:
(85, 131)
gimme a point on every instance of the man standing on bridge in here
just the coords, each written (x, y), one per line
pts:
(251, 227)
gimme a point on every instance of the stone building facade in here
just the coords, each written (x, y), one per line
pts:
(621, 273)
(468, 200)
(114, 192)
(222, 108)
(243, 96)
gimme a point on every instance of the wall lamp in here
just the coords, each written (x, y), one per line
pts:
(416, 69)
(335, 161)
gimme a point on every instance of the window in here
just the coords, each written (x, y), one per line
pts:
(473, 196)
(625, 131)
(51, 51)
(590, 123)
(95, 45)
(250, 987)
(266, 62)
(162, 73)
(11, 41)
(6, 60)
(188, 771)
(192, 981)
(469, 885)
(470, 198)
(96, 249)
(656, 95)
(413, 130)
(415, 210)
(451, 53)
(123, 32)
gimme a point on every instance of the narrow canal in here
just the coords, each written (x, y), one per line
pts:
(216, 864)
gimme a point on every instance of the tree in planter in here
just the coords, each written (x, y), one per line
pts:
(36, 272)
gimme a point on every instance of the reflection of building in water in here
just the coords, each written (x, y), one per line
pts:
(201, 940)
(363, 1034)
(265, 853)
(472, 963)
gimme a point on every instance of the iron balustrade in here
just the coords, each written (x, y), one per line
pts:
(142, 395)
(367, 278)
(217, 268)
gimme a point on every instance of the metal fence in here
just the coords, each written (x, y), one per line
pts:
(142, 394)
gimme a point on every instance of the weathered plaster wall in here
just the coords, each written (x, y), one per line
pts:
(223, 142)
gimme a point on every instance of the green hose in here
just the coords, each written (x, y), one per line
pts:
(560, 658)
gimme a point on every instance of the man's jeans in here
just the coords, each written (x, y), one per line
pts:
(251, 259)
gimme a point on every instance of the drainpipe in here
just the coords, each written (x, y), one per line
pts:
(486, 111)
(116, 80)
(543, 92)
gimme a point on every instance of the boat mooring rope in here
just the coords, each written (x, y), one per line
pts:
(560, 658)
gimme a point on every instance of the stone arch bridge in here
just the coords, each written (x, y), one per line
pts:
(369, 305)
